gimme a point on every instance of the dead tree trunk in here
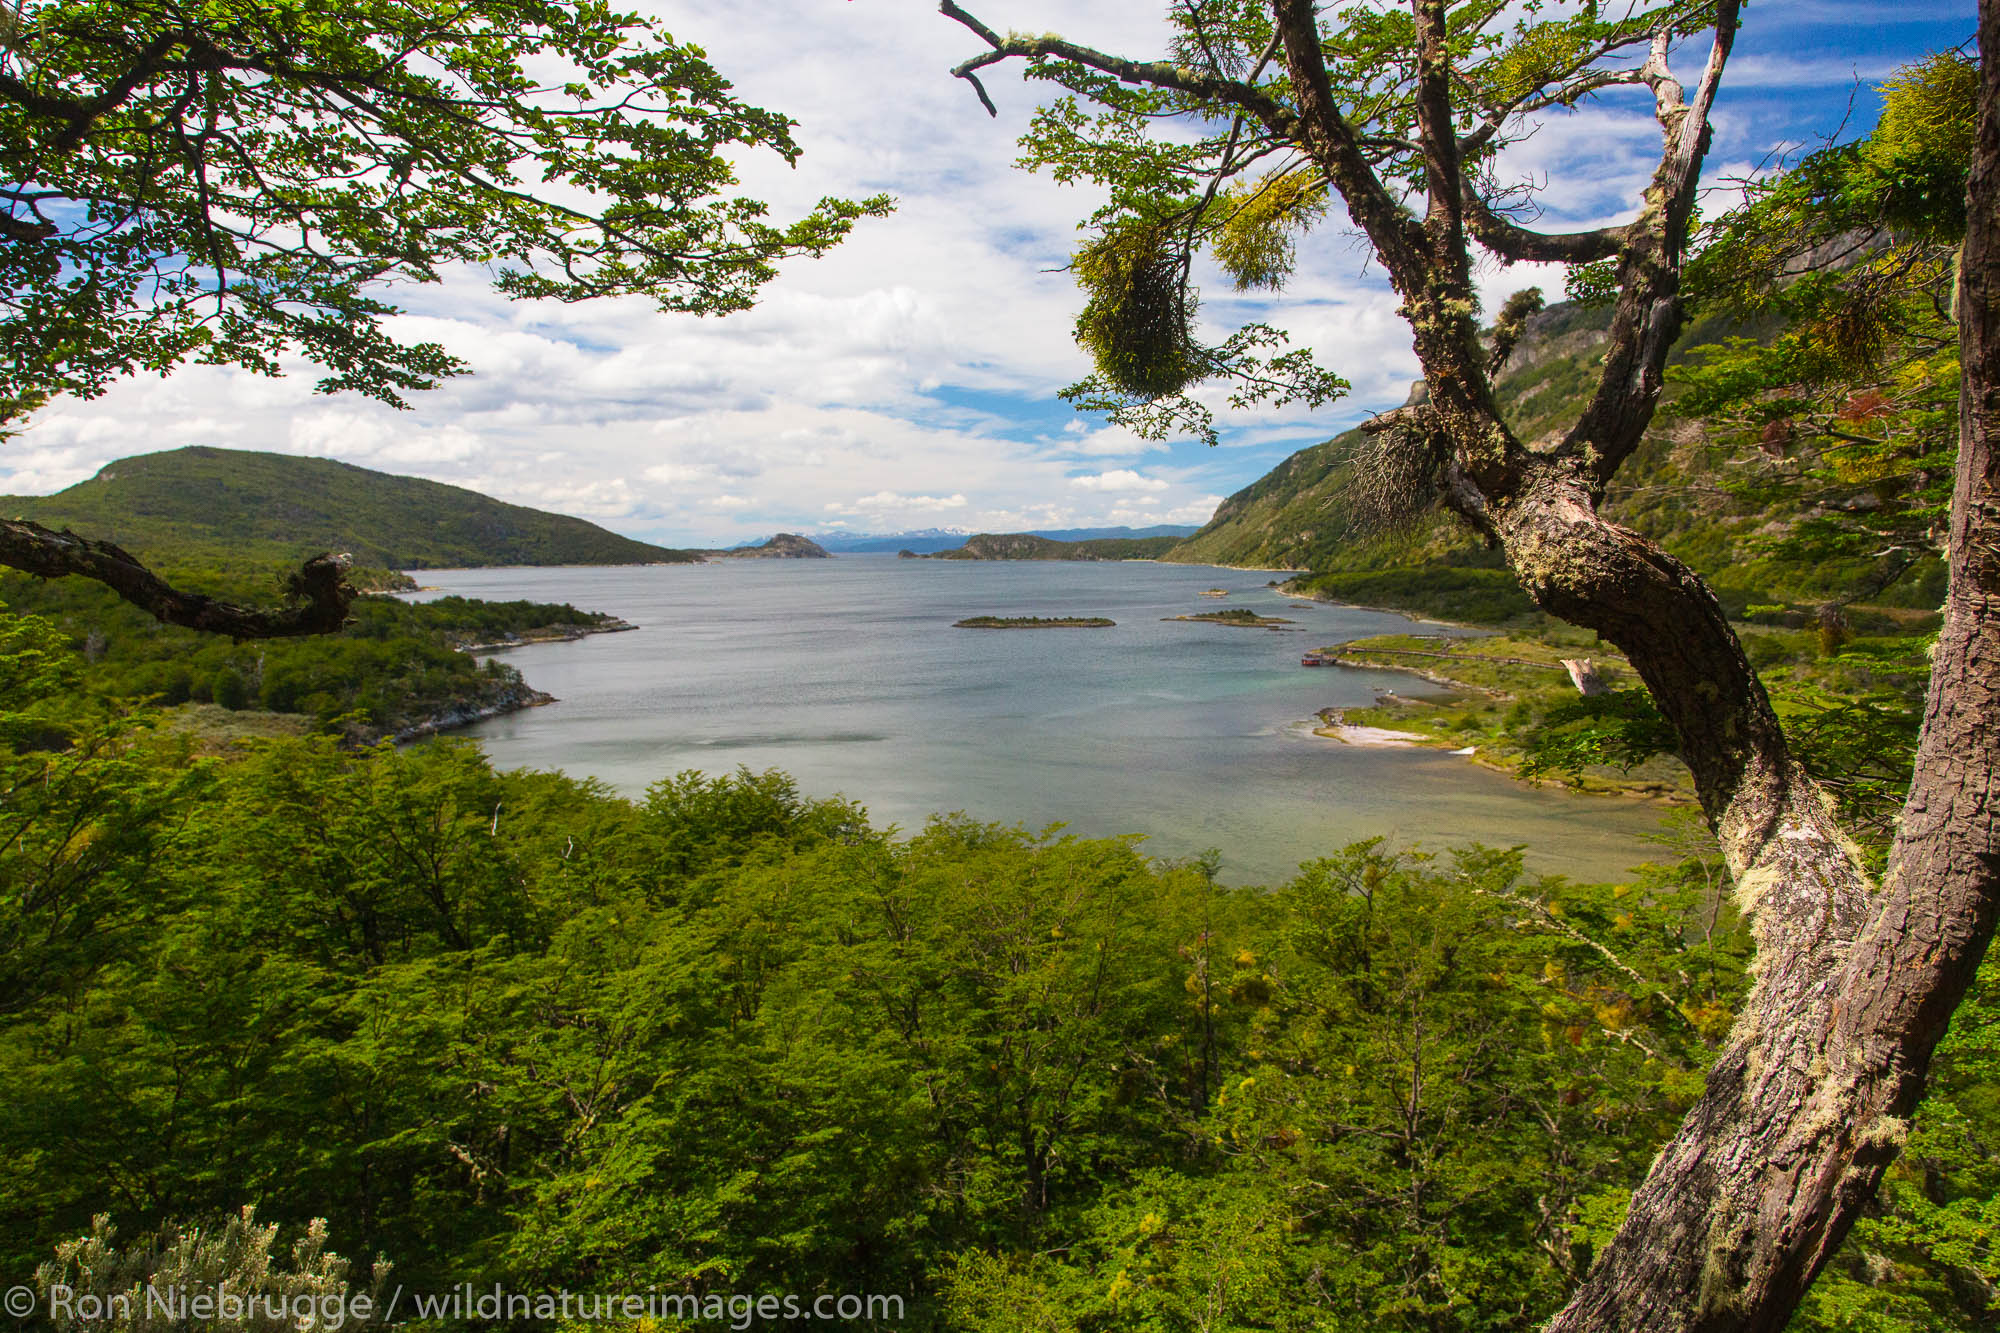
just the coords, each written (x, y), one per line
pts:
(1583, 675)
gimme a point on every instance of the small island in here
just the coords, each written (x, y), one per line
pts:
(784, 546)
(1235, 615)
(1034, 622)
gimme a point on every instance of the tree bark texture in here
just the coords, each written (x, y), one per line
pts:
(1808, 1104)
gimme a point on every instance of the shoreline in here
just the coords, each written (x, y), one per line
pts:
(547, 634)
(1362, 736)
(515, 700)
(1334, 727)
(1497, 753)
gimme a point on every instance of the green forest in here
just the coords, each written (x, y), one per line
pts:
(509, 1028)
(398, 669)
(235, 508)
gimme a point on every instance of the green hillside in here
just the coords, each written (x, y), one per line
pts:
(229, 508)
(1298, 516)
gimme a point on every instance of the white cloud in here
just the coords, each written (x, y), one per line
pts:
(1197, 511)
(883, 501)
(909, 376)
(1119, 479)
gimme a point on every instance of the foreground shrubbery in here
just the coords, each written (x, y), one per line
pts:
(509, 1028)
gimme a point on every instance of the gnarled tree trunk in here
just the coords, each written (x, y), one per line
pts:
(1807, 1105)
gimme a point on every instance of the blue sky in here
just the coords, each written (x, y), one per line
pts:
(909, 379)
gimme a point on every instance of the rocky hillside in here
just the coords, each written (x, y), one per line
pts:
(784, 546)
(1296, 517)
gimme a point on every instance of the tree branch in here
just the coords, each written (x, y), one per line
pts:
(1647, 317)
(1809, 1105)
(1489, 129)
(321, 584)
(1336, 150)
(20, 230)
(1443, 179)
(1153, 73)
(1518, 244)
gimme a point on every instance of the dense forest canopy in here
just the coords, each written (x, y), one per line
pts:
(506, 1028)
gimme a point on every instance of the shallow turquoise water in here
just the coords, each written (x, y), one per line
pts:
(848, 674)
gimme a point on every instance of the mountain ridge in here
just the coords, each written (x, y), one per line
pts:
(207, 506)
(1029, 546)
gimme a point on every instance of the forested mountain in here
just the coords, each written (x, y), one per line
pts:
(205, 507)
(1303, 515)
(1681, 489)
(1298, 515)
(228, 521)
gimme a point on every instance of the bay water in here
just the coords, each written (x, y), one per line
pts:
(848, 674)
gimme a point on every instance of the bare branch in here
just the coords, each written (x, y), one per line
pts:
(1528, 104)
(1443, 179)
(1518, 244)
(1647, 317)
(321, 584)
(1336, 149)
(1152, 73)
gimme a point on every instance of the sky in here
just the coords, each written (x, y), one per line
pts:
(908, 380)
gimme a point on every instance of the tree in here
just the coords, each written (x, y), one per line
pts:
(1399, 114)
(232, 182)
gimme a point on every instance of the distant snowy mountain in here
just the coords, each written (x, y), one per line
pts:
(925, 541)
(916, 539)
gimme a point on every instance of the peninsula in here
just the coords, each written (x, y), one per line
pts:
(1028, 546)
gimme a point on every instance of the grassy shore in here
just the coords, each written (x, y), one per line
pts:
(1488, 691)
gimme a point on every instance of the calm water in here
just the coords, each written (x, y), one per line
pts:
(847, 674)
